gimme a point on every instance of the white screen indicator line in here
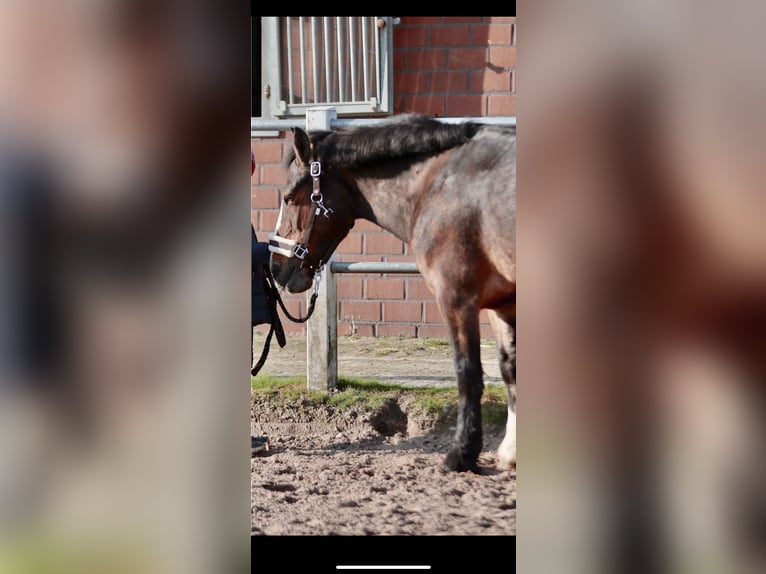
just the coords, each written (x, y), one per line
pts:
(382, 567)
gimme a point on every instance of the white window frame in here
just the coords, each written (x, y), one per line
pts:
(274, 103)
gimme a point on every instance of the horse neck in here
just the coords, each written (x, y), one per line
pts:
(388, 194)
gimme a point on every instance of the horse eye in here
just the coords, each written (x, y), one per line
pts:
(289, 199)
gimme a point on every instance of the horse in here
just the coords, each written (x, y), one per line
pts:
(449, 192)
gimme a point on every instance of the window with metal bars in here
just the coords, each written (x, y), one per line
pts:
(343, 61)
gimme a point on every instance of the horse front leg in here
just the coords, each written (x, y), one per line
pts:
(463, 321)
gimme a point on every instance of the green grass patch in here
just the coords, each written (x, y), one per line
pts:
(436, 403)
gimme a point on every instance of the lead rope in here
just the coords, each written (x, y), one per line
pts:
(272, 294)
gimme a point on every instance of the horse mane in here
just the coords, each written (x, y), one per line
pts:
(409, 134)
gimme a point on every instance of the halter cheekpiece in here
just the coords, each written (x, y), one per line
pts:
(300, 249)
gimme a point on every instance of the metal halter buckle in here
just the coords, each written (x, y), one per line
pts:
(315, 169)
(300, 251)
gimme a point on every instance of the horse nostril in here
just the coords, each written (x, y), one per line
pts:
(275, 268)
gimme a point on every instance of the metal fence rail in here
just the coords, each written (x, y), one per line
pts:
(273, 124)
(322, 328)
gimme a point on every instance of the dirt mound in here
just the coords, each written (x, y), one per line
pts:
(360, 470)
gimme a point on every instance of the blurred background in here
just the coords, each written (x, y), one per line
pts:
(642, 287)
(124, 282)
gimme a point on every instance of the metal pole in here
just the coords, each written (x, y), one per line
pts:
(288, 19)
(314, 57)
(374, 267)
(326, 30)
(365, 58)
(352, 52)
(339, 37)
(303, 60)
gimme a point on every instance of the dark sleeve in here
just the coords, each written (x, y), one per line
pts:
(259, 252)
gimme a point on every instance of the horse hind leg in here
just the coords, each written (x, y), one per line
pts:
(505, 335)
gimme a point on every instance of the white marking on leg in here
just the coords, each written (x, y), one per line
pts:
(506, 453)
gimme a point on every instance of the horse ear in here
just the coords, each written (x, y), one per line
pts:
(302, 147)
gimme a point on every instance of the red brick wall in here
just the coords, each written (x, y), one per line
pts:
(443, 66)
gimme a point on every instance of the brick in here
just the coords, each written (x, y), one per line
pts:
(449, 81)
(417, 20)
(426, 59)
(394, 330)
(488, 80)
(403, 311)
(483, 317)
(502, 19)
(266, 151)
(433, 331)
(467, 58)
(384, 289)
(400, 60)
(400, 104)
(503, 57)
(360, 310)
(450, 36)
(356, 329)
(410, 82)
(431, 313)
(294, 328)
(426, 104)
(383, 243)
(502, 105)
(462, 19)
(467, 105)
(349, 288)
(265, 198)
(364, 225)
(355, 257)
(410, 37)
(273, 175)
(418, 290)
(492, 35)
(296, 305)
(351, 244)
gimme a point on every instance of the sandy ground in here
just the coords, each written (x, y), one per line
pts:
(332, 473)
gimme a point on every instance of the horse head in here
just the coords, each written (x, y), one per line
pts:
(316, 213)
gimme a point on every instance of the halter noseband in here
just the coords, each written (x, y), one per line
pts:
(300, 249)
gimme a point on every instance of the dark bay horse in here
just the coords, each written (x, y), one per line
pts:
(449, 192)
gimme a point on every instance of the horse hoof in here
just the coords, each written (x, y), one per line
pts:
(455, 461)
(506, 454)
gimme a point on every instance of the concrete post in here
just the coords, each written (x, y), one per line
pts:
(320, 118)
(322, 336)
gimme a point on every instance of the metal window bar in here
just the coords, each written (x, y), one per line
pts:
(352, 54)
(327, 63)
(377, 66)
(303, 57)
(315, 57)
(339, 38)
(290, 90)
(365, 72)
